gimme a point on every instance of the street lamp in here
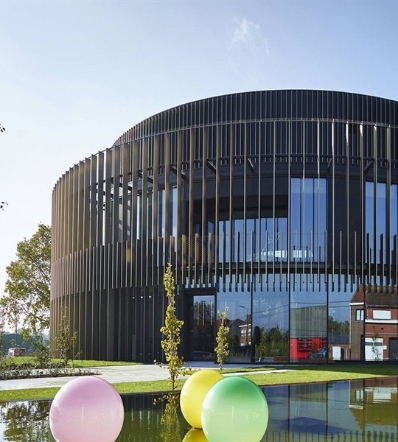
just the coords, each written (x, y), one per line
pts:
(247, 323)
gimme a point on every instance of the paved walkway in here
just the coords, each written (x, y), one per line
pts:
(113, 374)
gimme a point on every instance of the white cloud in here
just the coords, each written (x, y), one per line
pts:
(248, 54)
(248, 34)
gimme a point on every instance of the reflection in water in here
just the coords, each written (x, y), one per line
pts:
(170, 430)
(24, 421)
(195, 435)
(347, 411)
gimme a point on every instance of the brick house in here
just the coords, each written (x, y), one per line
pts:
(374, 323)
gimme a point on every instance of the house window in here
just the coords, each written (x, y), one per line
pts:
(359, 315)
(381, 314)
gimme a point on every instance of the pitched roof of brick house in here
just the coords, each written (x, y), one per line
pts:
(376, 296)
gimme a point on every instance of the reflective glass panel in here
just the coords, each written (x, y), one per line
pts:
(308, 219)
(308, 319)
(271, 320)
(237, 304)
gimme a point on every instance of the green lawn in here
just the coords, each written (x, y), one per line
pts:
(77, 363)
(85, 364)
(276, 376)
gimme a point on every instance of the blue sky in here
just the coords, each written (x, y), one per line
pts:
(74, 75)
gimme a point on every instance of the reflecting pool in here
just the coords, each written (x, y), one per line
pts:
(345, 411)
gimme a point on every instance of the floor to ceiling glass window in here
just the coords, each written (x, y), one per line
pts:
(343, 345)
(308, 318)
(202, 327)
(308, 218)
(273, 239)
(375, 220)
(271, 319)
(308, 292)
(237, 303)
(269, 241)
(393, 213)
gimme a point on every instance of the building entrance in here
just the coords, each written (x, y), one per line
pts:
(202, 328)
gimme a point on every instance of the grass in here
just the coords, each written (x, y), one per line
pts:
(77, 363)
(272, 376)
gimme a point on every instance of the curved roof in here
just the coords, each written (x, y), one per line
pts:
(264, 105)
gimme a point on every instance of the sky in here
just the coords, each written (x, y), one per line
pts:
(75, 75)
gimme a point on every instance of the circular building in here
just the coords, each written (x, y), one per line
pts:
(278, 207)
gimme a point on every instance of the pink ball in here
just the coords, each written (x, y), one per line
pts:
(86, 409)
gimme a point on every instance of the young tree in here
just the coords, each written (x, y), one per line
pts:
(41, 352)
(222, 348)
(172, 331)
(27, 289)
(65, 341)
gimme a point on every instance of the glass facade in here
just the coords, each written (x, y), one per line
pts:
(279, 206)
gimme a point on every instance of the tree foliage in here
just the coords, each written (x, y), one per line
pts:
(27, 288)
(1, 336)
(172, 331)
(41, 353)
(337, 326)
(65, 340)
(222, 347)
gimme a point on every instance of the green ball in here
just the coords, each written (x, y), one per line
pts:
(235, 408)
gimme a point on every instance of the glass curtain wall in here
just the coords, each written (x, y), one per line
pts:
(375, 219)
(271, 320)
(308, 318)
(343, 342)
(308, 218)
(311, 323)
(308, 297)
(238, 306)
(270, 239)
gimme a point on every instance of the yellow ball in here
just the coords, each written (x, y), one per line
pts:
(193, 394)
(195, 435)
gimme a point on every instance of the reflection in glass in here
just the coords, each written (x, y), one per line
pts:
(202, 339)
(342, 341)
(375, 219)
(308, 323)
(308, 218)
(271, 321)
(239, 321)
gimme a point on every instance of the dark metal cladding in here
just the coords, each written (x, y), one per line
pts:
(279, 206)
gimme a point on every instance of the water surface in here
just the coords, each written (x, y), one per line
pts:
(344, 411)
